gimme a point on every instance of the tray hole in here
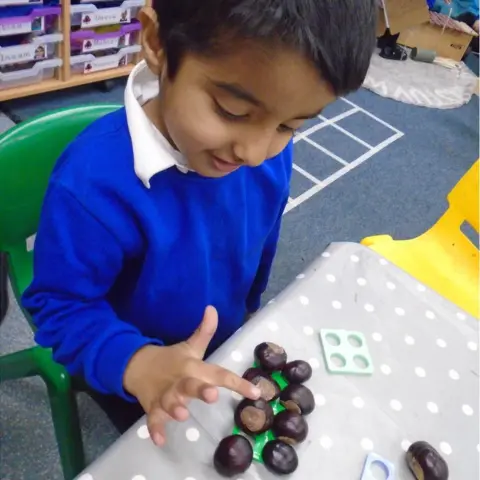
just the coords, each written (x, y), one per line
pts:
(333, 339)
(338, 360)
(355, 341)
(361, 362)
(378, 470)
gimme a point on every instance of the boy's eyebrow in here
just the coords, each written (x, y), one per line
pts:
(239, 92)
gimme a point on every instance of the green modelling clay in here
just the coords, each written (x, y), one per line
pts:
(263, 438)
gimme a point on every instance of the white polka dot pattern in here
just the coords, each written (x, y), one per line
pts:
(385, 369)
(445, 448)
(377, 336)
(399, 311)
(467, 410)
(326, 442)
(432, 407)
(314, 363)
(472, 346)
(405, 444)
(307, 330)
(331, 278)
(441, 343)
(304, 300)
(396, 405)
(143, 432)
(358, 402)
(409, 340)
(273, 326)
(453, 374)
(192, 434)
(369, 307)
(391, 286)
(237, 356)
(366, 444)
(337, 305)
(361, 281)
(420, 372)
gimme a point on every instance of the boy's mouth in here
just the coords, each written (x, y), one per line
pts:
(224, 166)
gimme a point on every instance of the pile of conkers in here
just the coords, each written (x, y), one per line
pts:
(234, 453)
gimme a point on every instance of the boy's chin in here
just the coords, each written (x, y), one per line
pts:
(211, 169)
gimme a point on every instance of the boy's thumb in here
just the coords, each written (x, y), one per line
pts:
(202, 336)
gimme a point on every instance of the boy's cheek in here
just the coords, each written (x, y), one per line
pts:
(194, 132)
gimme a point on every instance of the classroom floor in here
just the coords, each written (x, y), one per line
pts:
(369, 165)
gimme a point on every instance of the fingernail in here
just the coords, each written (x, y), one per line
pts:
(158, 439)
(256, 392)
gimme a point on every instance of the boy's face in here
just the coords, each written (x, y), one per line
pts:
(235, 110)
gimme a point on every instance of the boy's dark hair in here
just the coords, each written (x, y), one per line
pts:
(337, 35)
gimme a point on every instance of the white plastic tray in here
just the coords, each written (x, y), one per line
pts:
(89, 63)
(43, 70)
(39, 48)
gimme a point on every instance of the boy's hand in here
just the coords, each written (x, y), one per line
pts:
(164, 379)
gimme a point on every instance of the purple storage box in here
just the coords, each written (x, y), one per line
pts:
(40, 20)
(86, 41)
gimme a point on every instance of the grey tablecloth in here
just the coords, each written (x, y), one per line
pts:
(425, 384)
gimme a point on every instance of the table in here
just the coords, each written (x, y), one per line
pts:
(425, 384)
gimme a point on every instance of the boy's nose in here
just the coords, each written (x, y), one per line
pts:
(253, 150)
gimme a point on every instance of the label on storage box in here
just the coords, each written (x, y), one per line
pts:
(22, 53)
(10, 3)
(106, 16)
(104, 63)
(92, 45)
(37, 25)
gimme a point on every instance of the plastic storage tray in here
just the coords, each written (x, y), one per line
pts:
(38, 48)
(86, 41)
(40, 71)
(88, 15)
(39, 20)
(89, 63)
(12, 3)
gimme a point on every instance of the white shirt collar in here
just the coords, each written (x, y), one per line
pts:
(152, 153)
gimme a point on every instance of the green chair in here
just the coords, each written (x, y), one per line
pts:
(28, 153)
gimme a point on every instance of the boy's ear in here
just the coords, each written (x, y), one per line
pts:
(152, 47)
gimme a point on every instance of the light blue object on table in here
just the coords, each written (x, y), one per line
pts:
(372, 458)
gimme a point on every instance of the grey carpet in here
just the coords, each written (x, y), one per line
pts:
(401, 191)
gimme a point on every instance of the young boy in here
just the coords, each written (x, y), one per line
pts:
(174, 203)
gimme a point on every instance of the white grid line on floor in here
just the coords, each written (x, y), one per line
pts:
(320, 184)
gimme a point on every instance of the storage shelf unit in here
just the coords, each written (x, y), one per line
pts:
(64, 77)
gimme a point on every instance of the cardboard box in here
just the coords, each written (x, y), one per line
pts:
(402, 14)
(449, 42)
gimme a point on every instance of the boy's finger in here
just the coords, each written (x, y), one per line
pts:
(174, 404)
(201, 337)
(196, 388)
(221, 377)
(157, 418)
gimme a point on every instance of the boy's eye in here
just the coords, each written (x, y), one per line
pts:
(229, 115)
(286, 129)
